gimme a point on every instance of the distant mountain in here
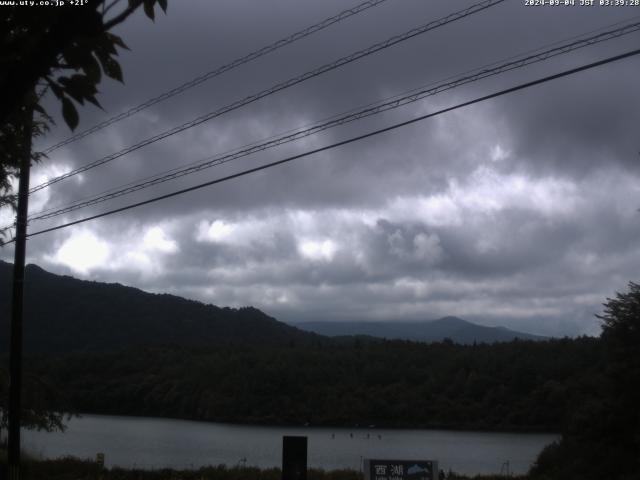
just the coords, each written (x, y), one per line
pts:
(66, 314)
(458, 330)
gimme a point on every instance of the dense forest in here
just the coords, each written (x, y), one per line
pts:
(100, 348)
(520, 385)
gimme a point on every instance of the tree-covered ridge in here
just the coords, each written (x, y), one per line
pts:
(65, 314)
(510, 386)
(457, 329)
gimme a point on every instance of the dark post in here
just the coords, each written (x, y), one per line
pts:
(15, 348)
(294, 458)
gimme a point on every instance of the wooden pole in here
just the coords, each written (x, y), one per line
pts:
(15, 347)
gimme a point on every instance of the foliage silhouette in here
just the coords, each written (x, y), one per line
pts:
(602, 436)
(64, 50)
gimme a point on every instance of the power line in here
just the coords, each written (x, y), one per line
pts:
(394, 103)
(278, 87)
(614, 34)
(256, 142)
(343, 142)
(220, 70)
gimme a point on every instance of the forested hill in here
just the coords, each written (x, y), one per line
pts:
(66, 314)
(457, 329)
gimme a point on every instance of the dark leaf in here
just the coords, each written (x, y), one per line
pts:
(91, 68)
(76, 55)
(106, 45)
(163, 5)
(79, 87)
(70, 91)
(69, 113)
(148, 8)
(102, 56)
(112, 68)
(116, 40)
(92, 99)
(55, 88)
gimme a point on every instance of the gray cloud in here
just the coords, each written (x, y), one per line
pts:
(521, 211)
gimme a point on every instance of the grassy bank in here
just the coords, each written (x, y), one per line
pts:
(75, 469)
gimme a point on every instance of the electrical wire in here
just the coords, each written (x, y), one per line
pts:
(343, 142)
(485, 4)
(391, 104)
(219, 71)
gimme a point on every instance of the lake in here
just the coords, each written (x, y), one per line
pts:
(151, 443)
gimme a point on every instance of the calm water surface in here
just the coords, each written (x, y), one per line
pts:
(155, 443)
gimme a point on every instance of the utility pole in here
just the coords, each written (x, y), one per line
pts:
(15, 347)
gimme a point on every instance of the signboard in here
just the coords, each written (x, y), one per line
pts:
(401, 469)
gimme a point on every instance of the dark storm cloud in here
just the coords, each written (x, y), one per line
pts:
(419, 61)
(520, 211)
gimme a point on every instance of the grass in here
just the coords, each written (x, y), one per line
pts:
(75, 469)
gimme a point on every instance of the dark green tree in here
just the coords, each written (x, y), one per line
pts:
(58, 49)
(621, 337)
(43, 409)
(65, 51)
(602, 437)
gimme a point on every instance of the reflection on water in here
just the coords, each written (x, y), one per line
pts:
(156, 442)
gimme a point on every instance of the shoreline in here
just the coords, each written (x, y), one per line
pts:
(254, 424)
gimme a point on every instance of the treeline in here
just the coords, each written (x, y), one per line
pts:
(520, 385)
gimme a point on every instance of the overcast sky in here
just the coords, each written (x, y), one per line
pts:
(521, 211)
